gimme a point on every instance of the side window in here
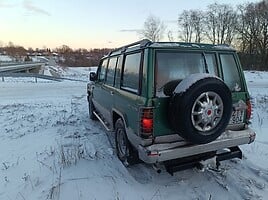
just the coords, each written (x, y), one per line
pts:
(111, 71)
(230, 72)
(130, 80)
(211, 62)
(118, 70)
(102, 70)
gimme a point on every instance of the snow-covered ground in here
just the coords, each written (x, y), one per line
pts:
(78, 73)
(5, 58)
(51, 150)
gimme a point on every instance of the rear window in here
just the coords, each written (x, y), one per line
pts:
(171, 66)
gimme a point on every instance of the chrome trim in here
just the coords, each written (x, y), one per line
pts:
(169, 151)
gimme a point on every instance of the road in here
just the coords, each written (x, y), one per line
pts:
(21, 67)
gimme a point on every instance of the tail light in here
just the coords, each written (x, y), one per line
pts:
(146, 122)
(249, 110)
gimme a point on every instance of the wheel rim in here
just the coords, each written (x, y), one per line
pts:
(121, 143)
(207, 112)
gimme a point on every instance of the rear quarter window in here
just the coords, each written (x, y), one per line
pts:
(131, 71)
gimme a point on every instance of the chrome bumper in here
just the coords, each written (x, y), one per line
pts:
(168, 151)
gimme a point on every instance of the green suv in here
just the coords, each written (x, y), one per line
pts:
(172, 103)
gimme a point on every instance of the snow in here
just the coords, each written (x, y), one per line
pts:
(224, 47)
(51, 150)
(186, 83)
(5, 58)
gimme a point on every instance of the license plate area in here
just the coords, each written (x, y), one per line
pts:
(237, 117)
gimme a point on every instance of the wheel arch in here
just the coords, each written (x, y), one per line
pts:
(116, 114)
(131, 136)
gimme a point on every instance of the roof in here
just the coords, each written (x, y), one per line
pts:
(183, 45)
(176, 45)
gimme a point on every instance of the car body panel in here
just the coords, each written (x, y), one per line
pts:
(113, 101)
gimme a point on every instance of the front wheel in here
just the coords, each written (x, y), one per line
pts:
(91, 109)
(124, 150)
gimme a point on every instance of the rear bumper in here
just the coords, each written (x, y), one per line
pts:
(168, 151)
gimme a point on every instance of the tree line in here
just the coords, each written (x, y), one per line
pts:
(245, 27)
(80, 57)
(64, 55)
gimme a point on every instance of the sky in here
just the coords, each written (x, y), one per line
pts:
(87, 23)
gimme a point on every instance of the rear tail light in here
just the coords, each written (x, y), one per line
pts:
(249, 110)
(146, 122)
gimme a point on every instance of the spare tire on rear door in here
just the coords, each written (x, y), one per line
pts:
(200, 108)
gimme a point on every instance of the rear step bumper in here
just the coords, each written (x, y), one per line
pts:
(196, 161)
(156, 153)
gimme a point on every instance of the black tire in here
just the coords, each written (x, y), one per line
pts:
(124, 150)
(202, 112)
(91, 109)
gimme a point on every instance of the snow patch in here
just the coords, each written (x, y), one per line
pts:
(51, 150)
(6, 58)
(186, 83)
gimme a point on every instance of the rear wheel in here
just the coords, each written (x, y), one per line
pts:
(124, 150)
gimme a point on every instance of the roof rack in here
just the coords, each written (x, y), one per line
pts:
(141, 44)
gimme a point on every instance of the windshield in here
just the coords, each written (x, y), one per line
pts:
(175, 66)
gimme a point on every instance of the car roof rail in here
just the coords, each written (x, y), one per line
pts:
(141, 44)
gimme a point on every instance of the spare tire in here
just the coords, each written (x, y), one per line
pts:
(201, 112)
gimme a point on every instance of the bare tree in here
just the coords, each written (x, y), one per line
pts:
(221, 23)
(198, 24)
(170, 36)
(191, 25)
(153, 29)
(18, 52)
(64, 49)
(185, 23)
(253, 32)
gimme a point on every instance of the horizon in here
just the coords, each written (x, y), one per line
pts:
(83, 24)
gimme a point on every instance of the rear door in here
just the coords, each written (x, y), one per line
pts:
(127, 97)
(172, 66)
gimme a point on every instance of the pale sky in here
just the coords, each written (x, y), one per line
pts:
(87, 23)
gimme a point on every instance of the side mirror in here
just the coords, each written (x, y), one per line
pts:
(92, 76)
